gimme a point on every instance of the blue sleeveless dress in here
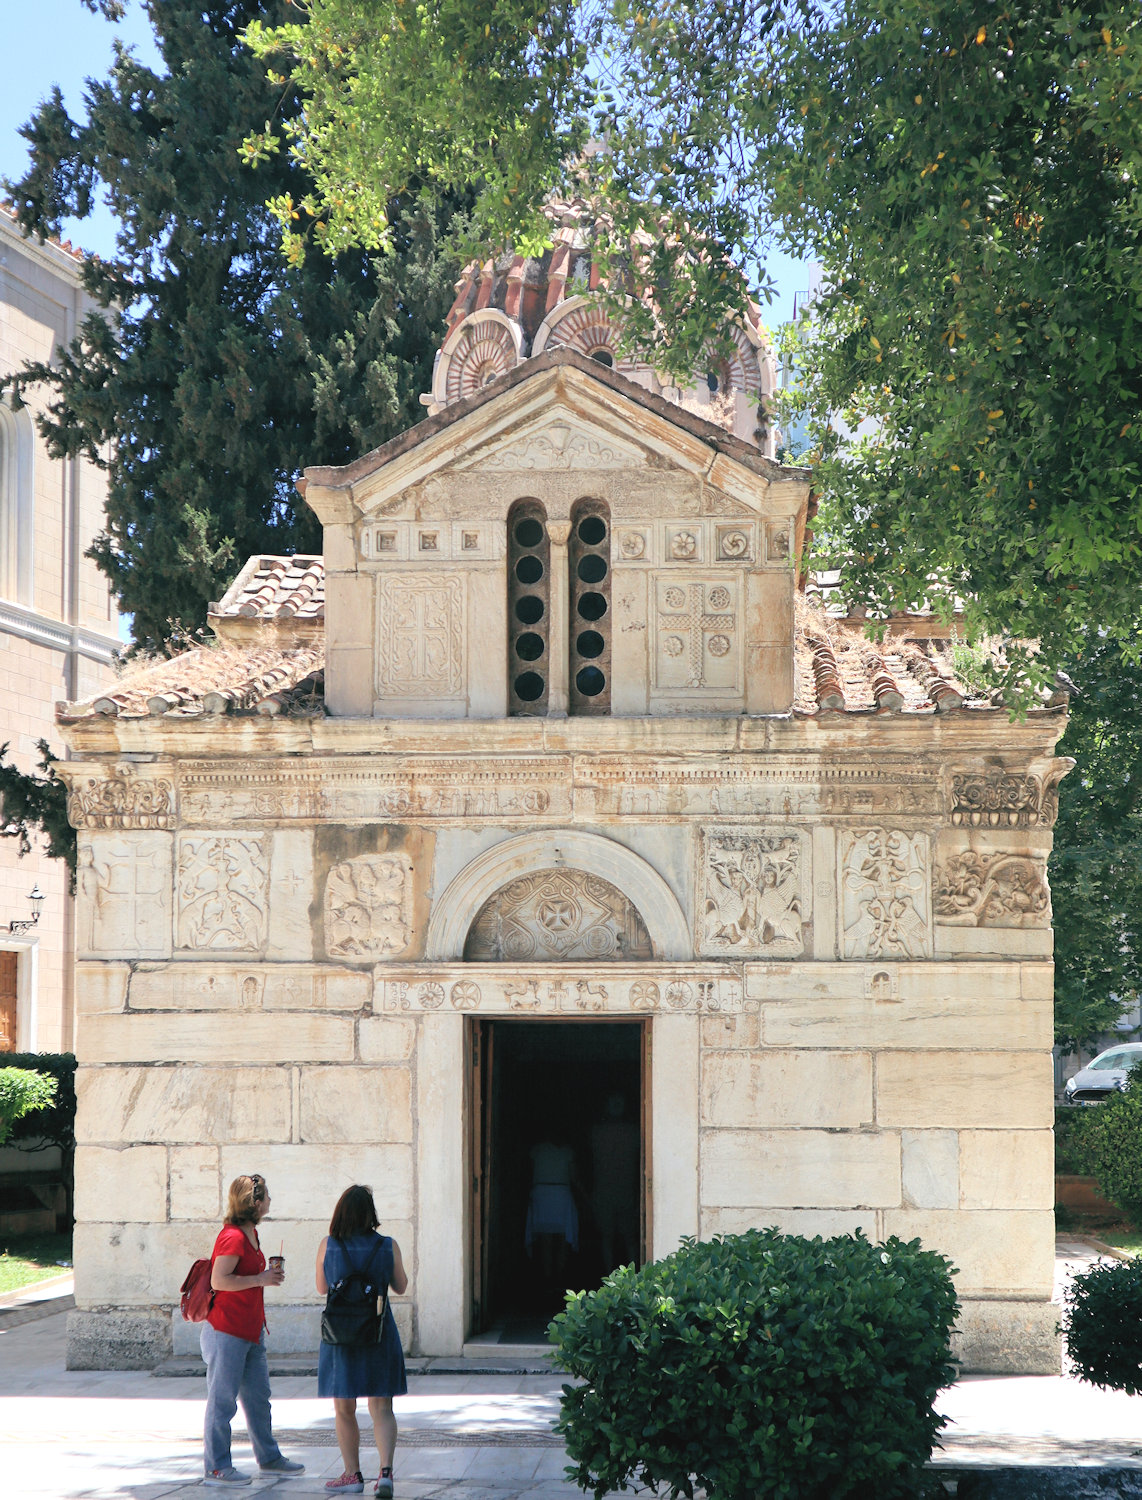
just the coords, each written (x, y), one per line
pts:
(366, 1369)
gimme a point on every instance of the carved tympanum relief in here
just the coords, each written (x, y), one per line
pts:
(121, 801)
(420, 635)
(992, 890)
(561, 447)
(368, 906)
(753, 899)
(124, 890)
(1006, 799)
(696, 633)
(557, 914)
(223, 892)
(885, 894)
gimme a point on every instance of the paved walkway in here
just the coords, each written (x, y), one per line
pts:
(80, 1435)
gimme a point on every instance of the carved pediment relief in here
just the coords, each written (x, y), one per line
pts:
(561, 443)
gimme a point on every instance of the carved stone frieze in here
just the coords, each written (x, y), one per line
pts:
(121, 800)
(234, 986)
(632, 494)
(560, 446)
(753, 895)
(884, 881)
(557, 914)
(992, 890)
(223, 892)
(622, 989)
(999, 798)
(368, 906)
(420, 635)
(270, 791)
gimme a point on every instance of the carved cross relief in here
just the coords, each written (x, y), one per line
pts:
(696, 633)
(420, 636)
(557, 914)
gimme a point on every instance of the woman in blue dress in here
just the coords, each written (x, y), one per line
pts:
(376, 1371)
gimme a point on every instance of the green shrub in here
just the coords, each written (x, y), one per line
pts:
(760, 1366)
(1102, 1321)
(1072, 1122)
(1112, 1148)
(22, 1092)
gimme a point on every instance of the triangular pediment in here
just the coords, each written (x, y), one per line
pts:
(559, 441)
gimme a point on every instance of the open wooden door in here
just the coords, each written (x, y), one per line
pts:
(480, 1059)
(8, 976)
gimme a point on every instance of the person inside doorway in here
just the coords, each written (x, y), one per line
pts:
(615, 1183)
(552, 1229)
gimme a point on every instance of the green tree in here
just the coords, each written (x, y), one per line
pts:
(32, 805)
(1096, 864)
(966, 173)
(22, 1091)
(215, 370)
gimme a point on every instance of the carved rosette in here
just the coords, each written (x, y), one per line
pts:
(753, 896)
(884, 881)
(992, 890)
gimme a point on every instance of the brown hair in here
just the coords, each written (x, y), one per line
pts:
(356, 1213)
(245, 1195)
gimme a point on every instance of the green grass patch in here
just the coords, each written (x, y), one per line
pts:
(1129, 1240)
(28, 1258)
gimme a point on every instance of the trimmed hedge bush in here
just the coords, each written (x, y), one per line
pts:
(22, 1092)
(1112, 1149)
(1102, 1321)
(761, 1366)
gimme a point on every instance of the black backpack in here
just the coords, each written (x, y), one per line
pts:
(352, 1314)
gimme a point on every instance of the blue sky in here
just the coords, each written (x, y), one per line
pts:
(60, 41)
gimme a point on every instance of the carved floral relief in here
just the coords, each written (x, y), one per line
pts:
(753, 900)
(557, 914)
(368, 906)
(1006, 799)
(992, 890)
(885, 894)
(223, 892)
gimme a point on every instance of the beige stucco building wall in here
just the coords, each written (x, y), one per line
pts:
(828, 913)
(58, 622)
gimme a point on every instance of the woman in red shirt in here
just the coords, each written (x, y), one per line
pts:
(233, 1339)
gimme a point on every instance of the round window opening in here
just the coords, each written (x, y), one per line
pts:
(529, 570)
(589, 643)
(529, 647)
(529, 532)
(592, 530)
(529, 686)
(590, 682)
(592, 606)
(592, 568)
(529, 609)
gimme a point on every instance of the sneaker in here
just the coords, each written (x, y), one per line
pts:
(348, 1484)
(283, 1467)
(226, 1477)
(384, 1485)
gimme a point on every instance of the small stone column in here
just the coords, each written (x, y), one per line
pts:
(557, 636)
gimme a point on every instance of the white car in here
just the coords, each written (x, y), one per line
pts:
(1104, 1074)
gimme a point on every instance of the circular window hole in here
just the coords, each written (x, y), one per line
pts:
(529, 610)
(589, 643)
(529, 532)
(592, 606)
(592, 568)
(590, 682)
(529, 570)
(592, 530)
(529, 647)
(529, 686)
(603, 357)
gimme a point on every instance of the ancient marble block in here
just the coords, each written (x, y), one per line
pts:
(289, 934)
(930, 1168)
(123, 886)
(193, 1105)
(305, 1181)
(825, 1222)
(196, 1189)
(1006, 1251)
(964, 1089)
(100, 988)
(124, 1185)
(135, 1265)
(343, 1105)
(382, 1039)
(830, 1089)
(1007, 1169)
(222, 885)
(800, 1168)
(172, 1037)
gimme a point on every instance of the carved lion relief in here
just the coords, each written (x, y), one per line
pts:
(368, 906)
(753, 901)
(992, 890)
(557, 914)
(420, 635)
(885, 894)
(223, 892)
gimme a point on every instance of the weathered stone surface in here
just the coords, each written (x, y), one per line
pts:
(1008, 1337)
(191, 1038)
(383, 1039)
(994, 942)
(1010, 1252)
(248, 987)
(136, 1265)
(1038, 981)
(758, 1089)
(195, 1187)
(181, 1104)
(731, 1031)
(929, 1162)
(100, 988)
(950, 1089)
(126, 1185)
(806, 1221)
(117, 1340)
(343, 1105)
(123, 889)
(1007, 1169)
(306, 1181)
(289, 934)
(800, 1169)
(921, 982)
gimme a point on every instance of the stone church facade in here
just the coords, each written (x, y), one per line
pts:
(547, 759)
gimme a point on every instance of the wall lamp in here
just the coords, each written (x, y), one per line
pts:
(27, 923)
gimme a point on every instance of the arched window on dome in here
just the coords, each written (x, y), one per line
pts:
(529, 609)
(589, 563)
(17, 518)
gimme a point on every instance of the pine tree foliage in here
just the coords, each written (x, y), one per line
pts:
(214, 370)
(32, 806)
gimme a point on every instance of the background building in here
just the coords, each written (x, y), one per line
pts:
(59, 625)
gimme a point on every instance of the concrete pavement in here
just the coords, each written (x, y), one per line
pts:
(90, 1435)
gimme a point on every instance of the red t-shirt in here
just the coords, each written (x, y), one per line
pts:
(241, 1313)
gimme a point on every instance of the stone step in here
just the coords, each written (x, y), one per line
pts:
(505, 1361)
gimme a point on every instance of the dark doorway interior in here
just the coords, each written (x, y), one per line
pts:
(562, 1200)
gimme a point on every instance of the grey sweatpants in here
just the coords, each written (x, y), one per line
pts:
(236, 1370)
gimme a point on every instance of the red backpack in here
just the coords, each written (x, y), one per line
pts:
(196, 1297)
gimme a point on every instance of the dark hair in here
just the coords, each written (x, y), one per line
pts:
(356, 1213)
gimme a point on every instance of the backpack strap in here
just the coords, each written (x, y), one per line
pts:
(370, 1258)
